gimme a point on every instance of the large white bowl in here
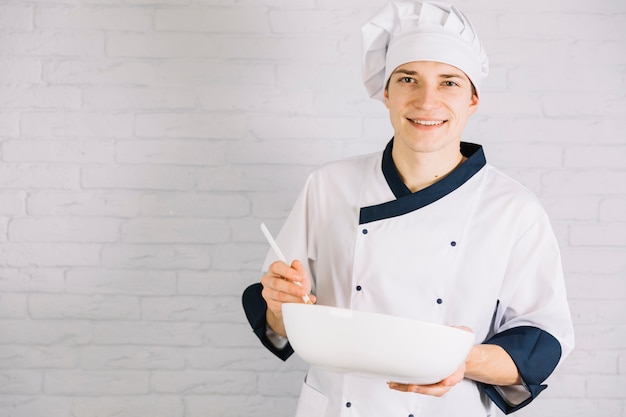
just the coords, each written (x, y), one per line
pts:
(396, 348)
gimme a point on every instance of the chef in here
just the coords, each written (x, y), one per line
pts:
(425, 229)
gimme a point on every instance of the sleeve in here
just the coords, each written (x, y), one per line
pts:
(532, 321)
(536, 353)
(254, 306)
(295, 241)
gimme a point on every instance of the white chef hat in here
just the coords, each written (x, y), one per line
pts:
(408, 30)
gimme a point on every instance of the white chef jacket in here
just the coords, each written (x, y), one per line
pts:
(474, 249)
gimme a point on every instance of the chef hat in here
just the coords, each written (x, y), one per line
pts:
(407, 30)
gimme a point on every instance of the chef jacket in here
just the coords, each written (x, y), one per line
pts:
(474, 249)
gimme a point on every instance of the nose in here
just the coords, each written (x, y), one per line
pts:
(426, 97)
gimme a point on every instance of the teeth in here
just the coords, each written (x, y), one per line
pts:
(428, 122)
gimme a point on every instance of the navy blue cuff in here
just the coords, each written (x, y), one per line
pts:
(255, 307)
(536, 354)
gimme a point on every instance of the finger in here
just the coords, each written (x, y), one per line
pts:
(302, 272)
(280, 289)
(285, 271)
(436, 390)
(467, 329)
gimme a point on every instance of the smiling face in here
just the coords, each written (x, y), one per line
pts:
(429, 104)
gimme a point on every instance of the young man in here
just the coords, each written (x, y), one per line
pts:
(426, 230)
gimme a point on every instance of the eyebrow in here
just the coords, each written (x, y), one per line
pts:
(409, 72)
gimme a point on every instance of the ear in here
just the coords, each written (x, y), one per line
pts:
(473, 106)
(386, 94)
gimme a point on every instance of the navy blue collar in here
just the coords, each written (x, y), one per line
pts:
(407, 201)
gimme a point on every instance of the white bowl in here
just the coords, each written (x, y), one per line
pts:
(396, 348)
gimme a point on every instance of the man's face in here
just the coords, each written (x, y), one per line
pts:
(429, 104)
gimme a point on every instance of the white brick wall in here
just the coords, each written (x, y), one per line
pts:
(142, 142)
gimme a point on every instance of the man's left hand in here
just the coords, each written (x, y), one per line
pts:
(438, 389)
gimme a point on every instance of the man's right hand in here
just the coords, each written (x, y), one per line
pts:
(279, 287)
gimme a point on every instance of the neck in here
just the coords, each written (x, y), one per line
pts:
(419, 170)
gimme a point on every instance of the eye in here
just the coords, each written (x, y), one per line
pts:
(449, 83)
(407, 80)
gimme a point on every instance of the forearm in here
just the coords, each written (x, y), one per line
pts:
(275, 323)
(491, 364)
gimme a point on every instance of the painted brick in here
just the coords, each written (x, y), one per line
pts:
(40, 97)
(176, 230)
(16, 17)
(611, 157)
(584, 182)
(285, 48)
(83, 203)
(199, 72)
(246, 20)
(27, 71)
(130, 358)
(565, 25)
(596, 104)
(159, 257)
(9, 123)
(606, 386)
(13, 306)
(224, 205)
(137, 98)
(52, 44)
(252, 178)
(47, 332)
(305, 127)
(64, 229)
(177, 152)
(201, 126)
(120, 281)
(147, 334)
(303, 152)
(46, 151)
(49, 254)
(83, 307)
(571, 208)
(336, 21)
(137, 178)
(12, 203)
(594, 261)
(613, 209)
(38, 176)
(592, 287)
(76, 125)
(34, 280)
(128, 406)
(256, 99)
(92, 18)
(588, 362)
(215, 283)
(161, 45)
(266, 206)
(19, 382)
(95, 383)
(202, 382)
(105, 72)
(602, 235)
(38, 357)
(192, 309)
(231, 405)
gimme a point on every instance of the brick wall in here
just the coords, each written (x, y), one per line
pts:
(143, 141)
